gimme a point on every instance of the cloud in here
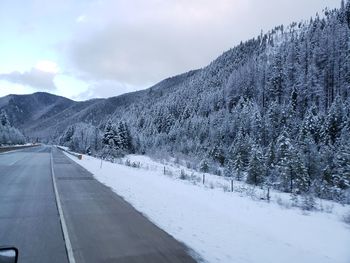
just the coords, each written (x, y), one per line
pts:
(81, 19)
(142, 42)
(13, 88)
(36, 78)
(105, 89)
(47, 66)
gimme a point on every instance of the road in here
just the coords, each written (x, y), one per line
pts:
(101, 226)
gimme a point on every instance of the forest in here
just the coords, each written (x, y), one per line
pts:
(273, 111)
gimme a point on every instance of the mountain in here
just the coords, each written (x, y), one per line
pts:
(274, 111)
(45, 116)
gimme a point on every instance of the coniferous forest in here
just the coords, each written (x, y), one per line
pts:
(273, 111)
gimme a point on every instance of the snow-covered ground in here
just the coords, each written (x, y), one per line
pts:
(222, 226)
(16, 145)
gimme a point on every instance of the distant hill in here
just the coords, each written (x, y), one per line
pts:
(46, 116)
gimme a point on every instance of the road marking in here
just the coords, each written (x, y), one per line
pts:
(13, 163)
(69, 248)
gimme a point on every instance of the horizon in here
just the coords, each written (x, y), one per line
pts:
(92, 61)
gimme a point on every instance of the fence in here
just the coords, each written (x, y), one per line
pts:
(79, 156)
(12, 148)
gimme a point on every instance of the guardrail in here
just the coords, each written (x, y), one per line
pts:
(79, 156)
(12, 148)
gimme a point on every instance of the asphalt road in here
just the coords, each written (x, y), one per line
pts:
(101, 226)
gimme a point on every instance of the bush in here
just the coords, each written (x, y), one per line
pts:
(308, 202)
(346, 218)
(183, 175)
(136, 164)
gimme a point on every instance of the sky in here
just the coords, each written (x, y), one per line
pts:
(84, 49)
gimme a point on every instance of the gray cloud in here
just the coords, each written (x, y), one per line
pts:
(141, 42)
(105, 89)
(34, 78)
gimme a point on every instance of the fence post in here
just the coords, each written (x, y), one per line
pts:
(203, 178)
(101, 164)
(268, 194)
(164, 170)
(231, 185)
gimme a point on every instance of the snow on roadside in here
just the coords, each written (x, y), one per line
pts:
(221, 226)
(16, 145)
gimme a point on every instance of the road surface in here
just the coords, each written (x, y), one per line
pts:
(101, 226)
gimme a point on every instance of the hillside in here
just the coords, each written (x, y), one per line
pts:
(46, 116)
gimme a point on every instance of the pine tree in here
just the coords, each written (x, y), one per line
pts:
(204, 166)
(341, 176)
(109, 135)
(284, 158)
(4, 121)
(217, 154)
(294, 99)
(347, 12)
(238, 165)
(122, 138)
(299, 181)
(276, 78)
(229, 168)
(334, 122)
(256, 169)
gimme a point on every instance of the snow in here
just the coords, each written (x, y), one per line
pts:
(16, 145)
(223, 226)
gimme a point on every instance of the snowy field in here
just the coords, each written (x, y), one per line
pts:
(224, 226)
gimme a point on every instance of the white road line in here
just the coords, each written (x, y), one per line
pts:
(14, 162)
(63, 222)
(12, 151)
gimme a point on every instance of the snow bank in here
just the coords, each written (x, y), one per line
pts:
(222, 226)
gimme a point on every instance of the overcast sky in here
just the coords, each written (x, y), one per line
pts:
(101, 48)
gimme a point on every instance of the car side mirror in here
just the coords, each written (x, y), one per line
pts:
(8, 255)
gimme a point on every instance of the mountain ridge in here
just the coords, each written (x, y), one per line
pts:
(54, 109)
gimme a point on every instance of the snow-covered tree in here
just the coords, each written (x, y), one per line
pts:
(256, 169)
(8, 134)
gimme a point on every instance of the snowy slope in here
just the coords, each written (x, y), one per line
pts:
(226, 227)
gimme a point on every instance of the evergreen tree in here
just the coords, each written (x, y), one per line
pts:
(238, 165)
(217, 154)
(334, 122)
(276, 78)
(4, 121)
(284, 161)
(256, 170)
(229, 168)
(109, 136)
(204, 166)
(341, 175)
(123, 138)
(299, 179)
(347, 12)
